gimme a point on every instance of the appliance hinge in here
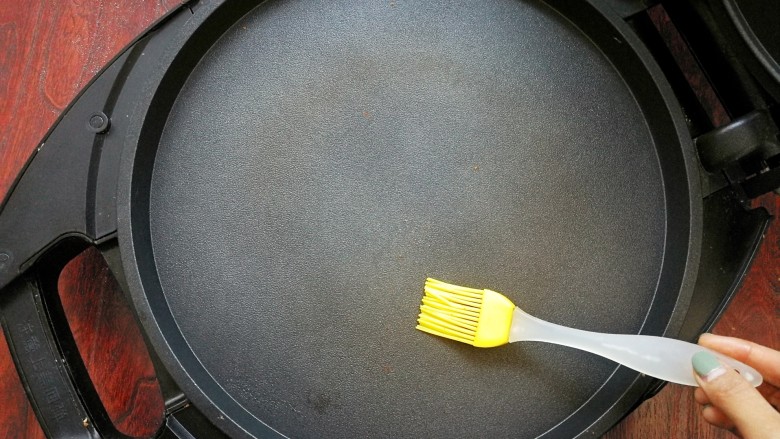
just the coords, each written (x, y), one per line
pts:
(176, 403)
(746, 152)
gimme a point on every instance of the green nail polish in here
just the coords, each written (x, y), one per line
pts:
(704, 363)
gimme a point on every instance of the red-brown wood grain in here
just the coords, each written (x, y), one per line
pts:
(110, 342)
(49, 50)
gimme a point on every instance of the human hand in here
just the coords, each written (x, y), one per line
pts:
(728, 400)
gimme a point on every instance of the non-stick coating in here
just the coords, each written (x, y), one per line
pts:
(325, 157)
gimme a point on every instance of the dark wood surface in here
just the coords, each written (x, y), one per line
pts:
(50, 50)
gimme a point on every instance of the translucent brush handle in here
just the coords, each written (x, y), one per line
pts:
(664, 358)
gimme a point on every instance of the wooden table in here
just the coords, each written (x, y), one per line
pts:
(50, 51)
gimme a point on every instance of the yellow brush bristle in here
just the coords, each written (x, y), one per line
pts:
(478, 317)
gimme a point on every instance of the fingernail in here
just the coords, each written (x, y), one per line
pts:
(707, 366)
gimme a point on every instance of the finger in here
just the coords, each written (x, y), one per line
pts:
(762, 358)
(716, 417)
(735, 397)
(700, 396)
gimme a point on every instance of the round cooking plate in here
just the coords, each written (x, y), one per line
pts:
(323, 158)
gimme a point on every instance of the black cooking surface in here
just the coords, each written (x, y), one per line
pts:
(325, 157)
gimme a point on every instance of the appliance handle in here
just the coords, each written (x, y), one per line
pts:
(50, 366)
(65, 401)
(60, 204)
(63, 202)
